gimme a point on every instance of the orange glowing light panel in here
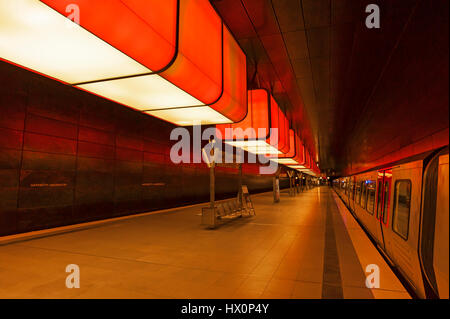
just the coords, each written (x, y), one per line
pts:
(309, 166)
(264, 130)
(295, 155)
(173, 59)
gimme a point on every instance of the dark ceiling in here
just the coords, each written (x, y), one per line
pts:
(334, 76)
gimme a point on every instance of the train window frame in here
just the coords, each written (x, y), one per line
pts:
(394, 210)
(363, 194)
(374, 190)
(358, 193)
(379, 198)
(386, 201)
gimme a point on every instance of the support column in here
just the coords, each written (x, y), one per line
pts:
(240, 186)
(291, 183)
(212, 182)
(276, 189)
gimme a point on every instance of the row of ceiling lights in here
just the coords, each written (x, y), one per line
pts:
(172, 59)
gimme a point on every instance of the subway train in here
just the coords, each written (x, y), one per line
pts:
(404, 207)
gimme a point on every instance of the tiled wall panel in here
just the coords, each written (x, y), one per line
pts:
(67, 156)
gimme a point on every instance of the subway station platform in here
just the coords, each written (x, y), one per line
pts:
(307, 246)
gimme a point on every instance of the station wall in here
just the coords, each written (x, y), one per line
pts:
(67, 156)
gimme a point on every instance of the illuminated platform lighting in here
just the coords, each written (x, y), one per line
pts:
(265, 129)
(255, 147)
(308, 166)
(296, 153)
(300, 169)
(173, 59)
(305, 170)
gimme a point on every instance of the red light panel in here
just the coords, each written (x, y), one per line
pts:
(174, 59)
(263, 113)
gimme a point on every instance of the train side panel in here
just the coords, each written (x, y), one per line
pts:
(401, 235)
(365, 205)
(441, 242)
(408, 216)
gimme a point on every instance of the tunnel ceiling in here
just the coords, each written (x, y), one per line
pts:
(335, 77)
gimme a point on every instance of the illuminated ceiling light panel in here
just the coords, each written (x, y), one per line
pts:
(256, 132)
(255, 147)
(311, 165)
(233, 100)
(285, 161)
(190, 116)
(147, 55)
(296, 154)
(299, 167)
(283, 124)
(251, 143)
(306, 171)
(268, 149)
(37, 37)
(307, 163)
(143, 92)
(288, 158)
(307, 166)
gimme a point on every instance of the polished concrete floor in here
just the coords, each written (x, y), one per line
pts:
(307, 246)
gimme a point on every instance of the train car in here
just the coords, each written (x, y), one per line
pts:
(404, 207)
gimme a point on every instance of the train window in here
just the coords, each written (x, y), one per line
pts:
(370, 196)
(363, 194)
(402, 205)
(386, 202)
(358, 193)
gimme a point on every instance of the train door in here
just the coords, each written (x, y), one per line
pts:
(351, 194)
(347, 189)
(384, 181)
(434, 239)
(354, 182)
(401, 237)
(441, 238)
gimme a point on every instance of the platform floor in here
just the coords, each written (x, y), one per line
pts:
(307, 246)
